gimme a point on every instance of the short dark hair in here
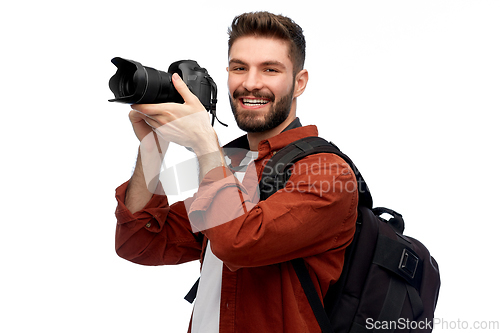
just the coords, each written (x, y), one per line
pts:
(265, 24)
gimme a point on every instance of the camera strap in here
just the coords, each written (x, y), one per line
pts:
(213, 101)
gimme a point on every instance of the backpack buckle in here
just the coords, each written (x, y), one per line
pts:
(408, 263)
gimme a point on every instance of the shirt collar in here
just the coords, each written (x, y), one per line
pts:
(294, 131)
(286, 137)
(242, 141)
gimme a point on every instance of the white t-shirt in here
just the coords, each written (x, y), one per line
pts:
(206, 311)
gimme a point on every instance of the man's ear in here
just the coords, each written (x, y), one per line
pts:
(301, 82)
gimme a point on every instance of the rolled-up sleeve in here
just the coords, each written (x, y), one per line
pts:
(221, 194)
(159, 234)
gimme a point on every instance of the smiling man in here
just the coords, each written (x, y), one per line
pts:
(245, 244)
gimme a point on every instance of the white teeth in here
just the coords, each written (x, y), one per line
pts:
(254, 101)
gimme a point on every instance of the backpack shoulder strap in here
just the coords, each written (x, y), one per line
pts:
(274, 178)
(300, 268)
(278, 168)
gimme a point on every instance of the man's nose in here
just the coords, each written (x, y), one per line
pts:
(253, 81)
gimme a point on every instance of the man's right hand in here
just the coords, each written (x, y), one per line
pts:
(141, 128)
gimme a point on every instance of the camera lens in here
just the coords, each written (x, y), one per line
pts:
(134, 83)
(127, 86)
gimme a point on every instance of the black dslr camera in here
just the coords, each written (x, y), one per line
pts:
(137, 84)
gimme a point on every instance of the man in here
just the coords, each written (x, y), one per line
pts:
(247, 282)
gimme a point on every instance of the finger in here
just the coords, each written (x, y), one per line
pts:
(162, 113)
(138, 116)
(183, 89)
(148, 109)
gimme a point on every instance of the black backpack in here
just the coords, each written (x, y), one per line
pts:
(389, 283)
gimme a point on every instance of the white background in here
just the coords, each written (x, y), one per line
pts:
(410, 90)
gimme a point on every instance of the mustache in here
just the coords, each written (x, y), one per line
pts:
(257, 94)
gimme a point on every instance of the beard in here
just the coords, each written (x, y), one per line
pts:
(251, 121)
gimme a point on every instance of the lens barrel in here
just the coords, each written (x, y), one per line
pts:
(137, 84)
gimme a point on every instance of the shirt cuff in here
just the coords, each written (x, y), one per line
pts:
(220, 198)
(156, 208)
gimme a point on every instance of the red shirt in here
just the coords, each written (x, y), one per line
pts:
(313, 217)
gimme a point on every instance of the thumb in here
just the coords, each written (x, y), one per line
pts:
(183, 89)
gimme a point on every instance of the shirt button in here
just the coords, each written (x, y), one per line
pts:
(148, 225)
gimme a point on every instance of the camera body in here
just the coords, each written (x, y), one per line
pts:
(134, 83)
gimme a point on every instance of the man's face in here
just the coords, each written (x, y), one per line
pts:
(261, 83)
